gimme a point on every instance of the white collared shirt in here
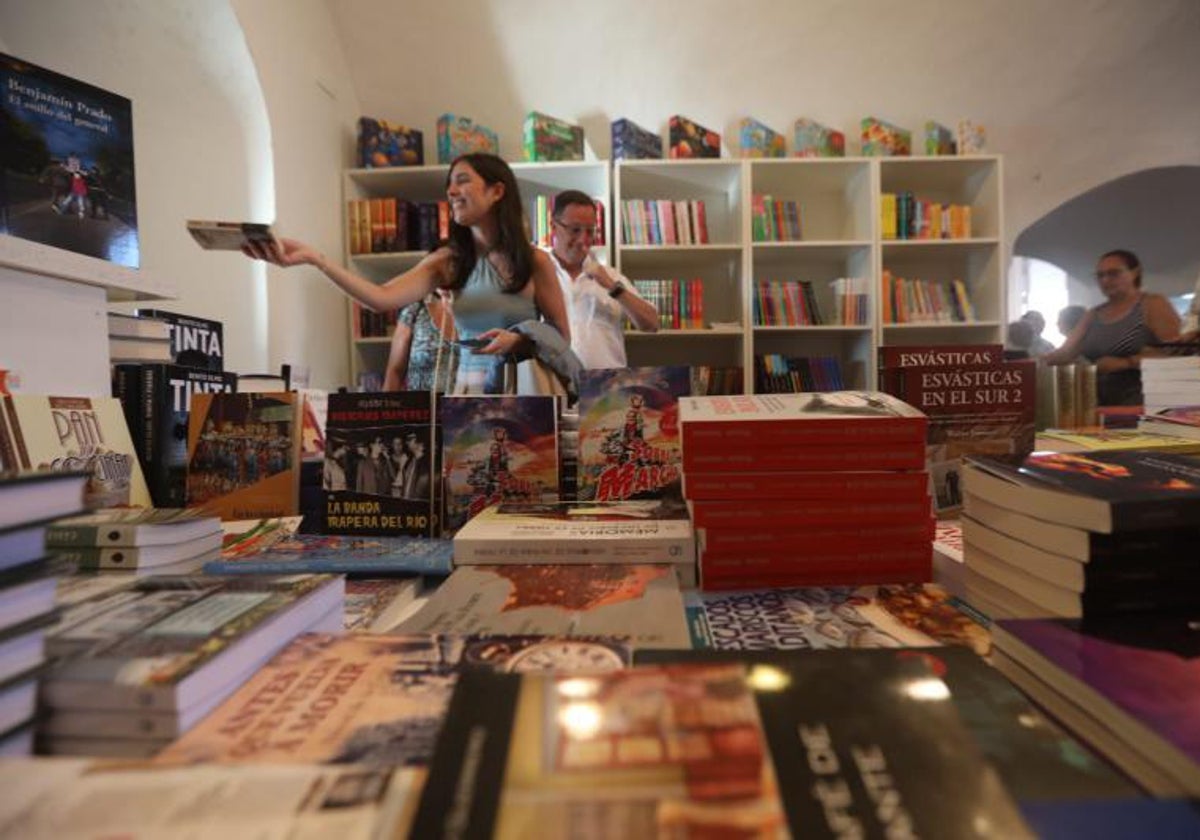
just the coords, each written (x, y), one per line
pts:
(596, 318)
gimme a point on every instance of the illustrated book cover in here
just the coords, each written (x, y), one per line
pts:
(195, 342)
(811, 139)
(756, 140)
(382, 143)
(459, 135)
(883, 139)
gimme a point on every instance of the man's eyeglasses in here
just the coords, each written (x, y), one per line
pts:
(1110, 272)
(577, 230)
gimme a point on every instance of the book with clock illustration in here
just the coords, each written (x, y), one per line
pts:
(391, 694)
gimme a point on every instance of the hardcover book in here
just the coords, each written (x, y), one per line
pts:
(629, 433)
(195, 342)
(687, 139)
(244, 454)
(382, 143)
(391, 694)
(332, 554)
(166, 397)
(638, 603)
(756, 140)
(714, 750)
(459, 135)
(74, 434)
(811, 139)
(882, 139)
(549, 138)
(632, 142)
(380, 466)
(939, 140)
(497, 449)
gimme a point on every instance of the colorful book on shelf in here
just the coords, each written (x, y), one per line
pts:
(640, 604)
(883, 139)
(195, 342)
(972, 138)
(811, 139)
(244, 454)
(629, 433)
(939, 140)
(549, 138)
(382, 144)
(497, 449)
(756, 140)
(714, 749)
(74, 434)
(391, 695)
(458, 135)
(632, 142)
(380, 462)
(688, 139)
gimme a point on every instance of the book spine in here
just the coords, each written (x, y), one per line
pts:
(485, 549)
(439, 566)
(801, 459)
(70, 536)
(792, 486)
(784, 521)
(748, 579)
(895, 431)
(92, 559)
(854, 537)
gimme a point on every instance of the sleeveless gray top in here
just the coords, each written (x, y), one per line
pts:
(482, 305)
(1124, 337)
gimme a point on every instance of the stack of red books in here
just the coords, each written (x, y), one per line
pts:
(811, 489)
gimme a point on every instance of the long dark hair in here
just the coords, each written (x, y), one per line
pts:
(512, 239)
(1132, 263)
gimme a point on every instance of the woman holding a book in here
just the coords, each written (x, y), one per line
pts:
(499, 282)
(1115, 336)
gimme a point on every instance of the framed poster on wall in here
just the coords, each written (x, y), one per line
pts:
(66, 163)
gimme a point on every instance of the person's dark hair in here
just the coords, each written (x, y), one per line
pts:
(1131, 262)
(1069, 316)
(512, 239)
(568, 197)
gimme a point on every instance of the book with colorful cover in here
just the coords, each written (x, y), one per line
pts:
(380, 463)
(811, 139)
(244, 454)
(1138, 678)
(939, 140)
(688, 139)
(629, 433)
(913, 615)
(1101, 440)
(195, 342)
(1105, 492)
(339, 554)
(632, 142)
(972, 138)
(883, 139)
(497, 449)
(74, 434)
(756, 140)
(382, 144)
(716, 750)
(548, 138)
(641, 604)
(376, 605)
(458, 135)
(166, 397)
(374, 700)
(956, 355)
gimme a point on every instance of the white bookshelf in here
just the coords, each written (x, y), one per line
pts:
(839, 202)
(428, 183)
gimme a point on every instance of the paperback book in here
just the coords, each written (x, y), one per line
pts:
(333, 554)
(380, 466)
(131, 527)
(497, 449)
(244, 454)
(629, 433)
(195, 342)
(376, 605)
(639, 604)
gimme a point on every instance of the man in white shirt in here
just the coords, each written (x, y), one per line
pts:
(598, 298)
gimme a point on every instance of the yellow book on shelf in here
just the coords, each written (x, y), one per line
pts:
(887, 216)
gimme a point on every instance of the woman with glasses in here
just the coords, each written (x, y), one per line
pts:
(500, 283)
(1114, 335)
(597, 298)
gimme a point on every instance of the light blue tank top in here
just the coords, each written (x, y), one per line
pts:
(483, 305)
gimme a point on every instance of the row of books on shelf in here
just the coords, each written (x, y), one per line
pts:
(796, 303)
(390, 225)
(680, 303)
(541, 218)
(776, 373)
(371, 324)
(925, 301)
(663, 222)
(905, 216)
(774, 219)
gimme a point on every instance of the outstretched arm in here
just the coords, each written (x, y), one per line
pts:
(400, 291)
(1070, 348)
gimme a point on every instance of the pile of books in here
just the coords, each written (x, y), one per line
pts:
(1082, 534)
(132, 339)
(807, 489)
(27, 586)
(1170, 382)
(141, 541)
(1181, 423)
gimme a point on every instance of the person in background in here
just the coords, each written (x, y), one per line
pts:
(1018, 339)
(1191, 321)
(501, 284)
(1039, 345)
(1068, 317)
(423, 354)
(1115, 335)
(598, 298)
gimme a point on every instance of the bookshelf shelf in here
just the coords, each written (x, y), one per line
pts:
(760, 328)
(937, 244)
(706, 333)
(953, 325)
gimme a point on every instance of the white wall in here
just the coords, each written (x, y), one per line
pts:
(1072, 92)
(200, 135)
(313, 111)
